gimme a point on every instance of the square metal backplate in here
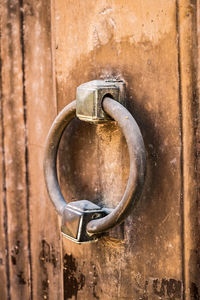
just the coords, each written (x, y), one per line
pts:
(90, 95)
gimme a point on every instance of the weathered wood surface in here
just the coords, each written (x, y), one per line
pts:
(3, 214)
(188, 24)
(41, 110)
(15, 211)
(154, 47)
(30, 265)
(137, 41)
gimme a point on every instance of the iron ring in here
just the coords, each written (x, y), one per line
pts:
(137, 158)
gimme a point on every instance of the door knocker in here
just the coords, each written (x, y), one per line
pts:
(96, 102)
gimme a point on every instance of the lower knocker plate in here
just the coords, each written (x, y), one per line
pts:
(76, 215)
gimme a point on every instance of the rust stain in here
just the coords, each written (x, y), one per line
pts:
(47, 256)
(74, 280)
(155, 288)
(194, 291)
(15, 252)
(16, 259)
(167, 287)
(94, 280)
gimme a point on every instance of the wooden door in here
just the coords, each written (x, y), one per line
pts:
(47, 50)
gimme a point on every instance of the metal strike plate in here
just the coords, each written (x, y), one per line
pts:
(89, 97)
(75, 218)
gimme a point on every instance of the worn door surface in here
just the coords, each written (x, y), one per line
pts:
(47, 50)
(148, 44)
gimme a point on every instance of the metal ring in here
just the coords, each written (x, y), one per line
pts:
(137, 157)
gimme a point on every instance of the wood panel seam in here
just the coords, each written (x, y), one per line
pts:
(181, 143)
(26, 144)
(5, 216)
(187, 45)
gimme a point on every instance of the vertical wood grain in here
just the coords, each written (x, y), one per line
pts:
(14, 151)
(4, 258)
(189, 108)
(195, 288)
(41, 110)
